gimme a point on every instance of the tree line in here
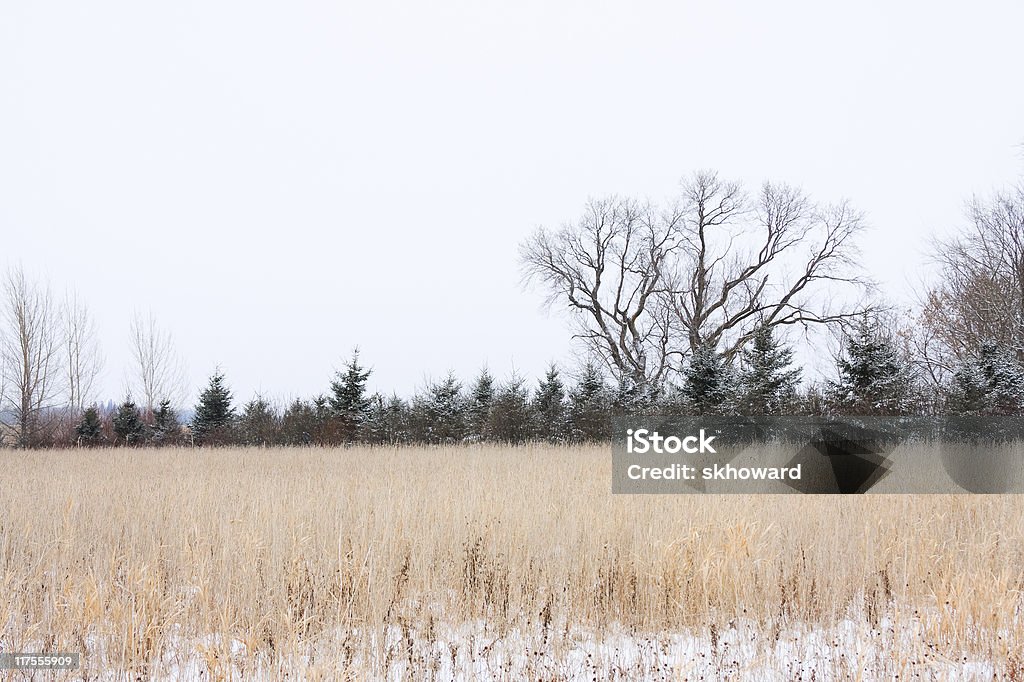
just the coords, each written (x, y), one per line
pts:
(872, 377)
(685, 308)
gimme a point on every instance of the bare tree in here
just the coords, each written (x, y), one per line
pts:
(30, 348)
(646, 286)
(158, 371)
(611, 268)
(979, 295)
(780, 260)
(82, 357)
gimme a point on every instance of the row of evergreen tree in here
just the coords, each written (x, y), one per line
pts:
(873, 377)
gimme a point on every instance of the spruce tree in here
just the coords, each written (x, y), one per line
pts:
(299, 423)
(511, 415)
(478, 405)
(767, 380)
(549, 408)
(709, 383)
(589, 406)
(874, 378)
(166, 428)
(634, 396)
(440, 412)
(214, 414)
(128, 425)
(89, 431)
(258, 424)
(989, 383)
(349, 401)
(387, 421)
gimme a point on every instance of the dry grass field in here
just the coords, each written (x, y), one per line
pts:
(488, 563)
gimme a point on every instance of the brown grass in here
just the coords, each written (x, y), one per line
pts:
(362, 561)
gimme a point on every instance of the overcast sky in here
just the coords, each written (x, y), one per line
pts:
(279, 182)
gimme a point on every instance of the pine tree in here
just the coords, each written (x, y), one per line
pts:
(349, 401)
(387, 421)
(511, 414)
(589, 406)
(874, 379)
(89, 431)
(258, 424)
(478, 406)
(709, 383)
(440, 412)
(128, 425)
(633, 397)
(299, 423)
(550, 419)
(767, 382)
(990, 383)
(214, 414)
(166, 428)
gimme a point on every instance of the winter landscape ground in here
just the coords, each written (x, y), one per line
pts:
(488, 563)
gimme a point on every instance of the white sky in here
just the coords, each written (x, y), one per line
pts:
(279, 182)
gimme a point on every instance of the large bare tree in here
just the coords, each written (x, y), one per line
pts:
(777, 260)
(82, 357)
(647, 286)
(978, 296)
(611, 269)
(30, 352)
(158, 372)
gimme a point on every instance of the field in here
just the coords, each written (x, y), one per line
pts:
(488, 563)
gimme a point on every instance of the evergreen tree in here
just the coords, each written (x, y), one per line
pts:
(510, 414)
(387, 421)
(128, 425)
(478, 406)
(549, 408)
(767, 382)
(672, 400)
(709, 383)
(89, 431)
(258, 424)
(589, 406)
(166, 427)
(634, 397)
(349, 401)
(440, 413)
(322, 421)
(300, 423)
(874, 378)
(990, 383)
(214, 414)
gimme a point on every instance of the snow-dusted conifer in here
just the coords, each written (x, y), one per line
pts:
(387, 421)
(589, 405)
(440, 412)
(767, 380)
(990, 383)
(874, 377)
(348, 401)
(478, 405)
(511, 416)
(549, 411)
(709, 383)
(633, 397)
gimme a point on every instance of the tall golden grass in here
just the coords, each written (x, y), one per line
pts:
(327, 563)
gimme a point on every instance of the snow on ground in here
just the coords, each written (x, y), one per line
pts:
(476, 651)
